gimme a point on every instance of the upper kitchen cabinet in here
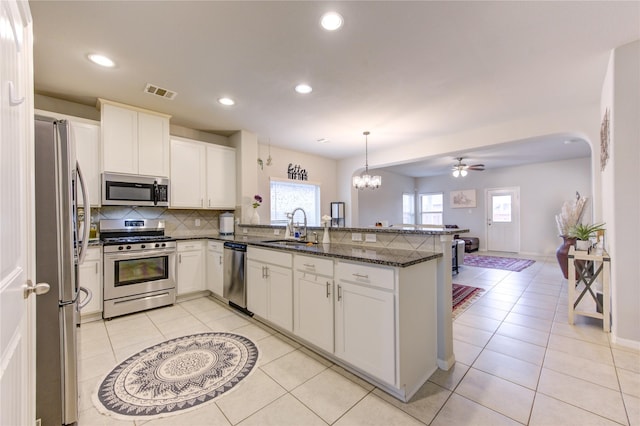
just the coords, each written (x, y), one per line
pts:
(203, 175)
(134, 140)
(86, 137)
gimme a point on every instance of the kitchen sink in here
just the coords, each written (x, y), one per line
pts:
(289, 243)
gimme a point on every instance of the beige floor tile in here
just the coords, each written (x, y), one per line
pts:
(465, 352)
(424, 405)
(629, 382)
(229, 322)
(462, 411)
(591, 333)
(293, 369)
(253, 332)
(285, 411)
(254, 393)
(181, 332)
(514, 370)
(581, 349)
(209, 414)
(632, 405)
(271, 348)
(504, 297)
(529, 322)
(517, 349)
(126, 337)
(90, 349)
(510, 399)
(525, 334)
(167, 313)
(545, 314)
(626, 359)
(495, 304)
(182, 324)
(352, 377)
(538, 301)
(549, 411)
(329, 395)
(372, 411)
(488, 312)
(97, 366)
(480, 322)
(91, 417)
(581, 368)
(449, 379)
(137, 345)
(583, 394)
(471, 335)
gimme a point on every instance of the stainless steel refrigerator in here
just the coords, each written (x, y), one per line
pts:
(59, 251)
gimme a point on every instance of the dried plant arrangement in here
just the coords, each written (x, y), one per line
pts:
(571, 214)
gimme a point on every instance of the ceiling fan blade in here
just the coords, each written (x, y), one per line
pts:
(478, 167)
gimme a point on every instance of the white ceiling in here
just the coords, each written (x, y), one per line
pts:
(406, 71)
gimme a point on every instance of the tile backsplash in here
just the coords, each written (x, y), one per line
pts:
(177, 221)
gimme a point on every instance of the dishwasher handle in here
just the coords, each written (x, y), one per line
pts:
(235, 246)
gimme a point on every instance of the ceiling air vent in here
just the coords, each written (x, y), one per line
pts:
(159, 91)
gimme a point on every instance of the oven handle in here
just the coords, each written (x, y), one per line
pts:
(139, 254)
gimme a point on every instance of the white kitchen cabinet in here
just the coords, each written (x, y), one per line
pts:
(270, 286)
(90, 277)
(203, 175)
(365, 319)
(215, 267)
(313, 300)
(187, 174)
(191, 267)
(86, 137)
(134, 140)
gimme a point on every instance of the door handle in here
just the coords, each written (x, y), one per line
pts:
(38, 289)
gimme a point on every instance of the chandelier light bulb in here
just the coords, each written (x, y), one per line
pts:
(365, 180)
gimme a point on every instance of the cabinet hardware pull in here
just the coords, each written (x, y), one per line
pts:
(266, 270)
(339, 293)
(201, 202)
(220, 259)
(209, 202)
(179, 258)
(96, 268)
(361, 276)
(328, 289)
(309, 265)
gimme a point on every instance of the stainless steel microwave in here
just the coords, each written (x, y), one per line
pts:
(134, 190)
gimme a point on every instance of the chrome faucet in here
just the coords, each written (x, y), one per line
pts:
(302, 234)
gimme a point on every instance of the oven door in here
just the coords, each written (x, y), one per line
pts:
(133, 273)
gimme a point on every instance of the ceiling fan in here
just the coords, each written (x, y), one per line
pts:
(461, 169)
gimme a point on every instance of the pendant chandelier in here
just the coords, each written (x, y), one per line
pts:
(365, 180)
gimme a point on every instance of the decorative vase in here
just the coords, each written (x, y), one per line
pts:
(325, 235)
(562, 254)
(255, 217)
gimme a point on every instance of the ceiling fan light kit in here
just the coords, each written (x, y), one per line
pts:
(462, 169)
(365, 180)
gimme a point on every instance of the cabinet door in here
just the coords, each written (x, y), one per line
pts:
(153, 145)
(280, 296)
(313, 309)
(190, 271)
(215, 272)
(119, 139)
(257, 288)
(221, 177)
(187, 174)
(90, 277)
(87, 140)
(365, 324)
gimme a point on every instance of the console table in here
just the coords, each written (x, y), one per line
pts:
(586, 268)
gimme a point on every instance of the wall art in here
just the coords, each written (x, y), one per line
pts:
(463, 199)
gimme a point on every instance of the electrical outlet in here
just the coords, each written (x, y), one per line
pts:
(370, 238)
(356, 236)
(197, 222)
(276, 232)
(245, 231)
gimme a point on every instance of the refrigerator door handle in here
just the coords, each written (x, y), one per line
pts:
(82, 251)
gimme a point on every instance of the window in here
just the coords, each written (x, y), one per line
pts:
(431, 208)
(287, 195)
(408, 208)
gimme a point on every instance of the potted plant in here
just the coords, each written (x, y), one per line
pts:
(582, 233)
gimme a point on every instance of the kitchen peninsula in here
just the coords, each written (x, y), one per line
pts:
(380, 307)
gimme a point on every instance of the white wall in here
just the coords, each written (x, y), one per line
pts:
(543, 189)
(384, 203)
(320, 170)
(621, 191)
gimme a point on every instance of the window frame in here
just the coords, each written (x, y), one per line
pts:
(430, 212)
(318, 201)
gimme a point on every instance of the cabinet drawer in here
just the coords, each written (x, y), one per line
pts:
(93, 253)
(274, 257)
(313, 264)
(375, 276)
(189, 246)
(216, 246)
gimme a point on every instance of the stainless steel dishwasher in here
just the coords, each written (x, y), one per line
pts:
(235, 281)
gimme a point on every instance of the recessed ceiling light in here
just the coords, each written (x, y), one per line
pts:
(304, 88)
(227, 101)
(101, 60)
(322, 140)
(331, 21)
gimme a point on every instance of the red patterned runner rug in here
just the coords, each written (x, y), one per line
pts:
(463, 296)
(497, 262)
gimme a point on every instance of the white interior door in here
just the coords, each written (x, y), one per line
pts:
(17, 313)
(503, 219)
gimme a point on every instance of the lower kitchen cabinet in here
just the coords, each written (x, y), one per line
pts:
(191, 267)
(90, 277)
(215, 267)
(270, 286)
(313, 300)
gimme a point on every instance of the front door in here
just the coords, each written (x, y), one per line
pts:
(503, 219)
(17, 313)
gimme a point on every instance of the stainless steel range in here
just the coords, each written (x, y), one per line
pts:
(139, 266)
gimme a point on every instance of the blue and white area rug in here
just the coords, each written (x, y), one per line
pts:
(177, 375)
